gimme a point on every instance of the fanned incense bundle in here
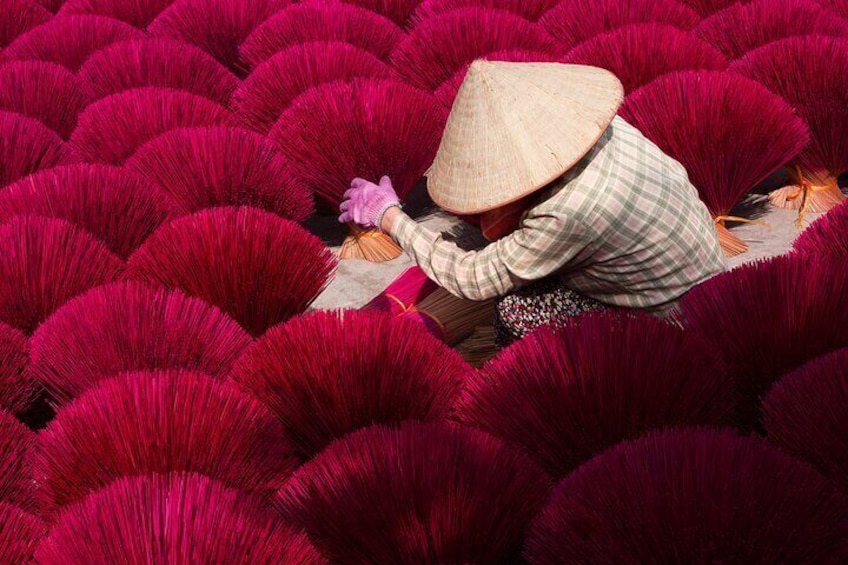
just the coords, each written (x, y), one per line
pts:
(805, 415)
(398, 11)
(45, 262)
(18, 17)
(69, 40)
(326, 374)
(366, 128)
(449, 89)
(638, 54)
(137, 13)
(793, 68)
(115, 206)
(51, 5)
(744, 27)
(839, 7)
(203, 168)
(322, 20)
(828, 235)
(43, 91)
(20, 533)
(216, 26)
(27, 146)
(566, 394)
(770, 317)
(707, 7)
(160, 422)
(694, 496)
(441, 46)
(131, 327)
(429, 322)
(419, 493)
(165, 63)
(16, 445)
(575, 21)
(275, 84)
(530, 10)
(255, 266)
(17, 388)
(736, 134)
(177, 518)
(112, 129)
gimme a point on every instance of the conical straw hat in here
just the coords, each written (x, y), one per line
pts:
(516, 127)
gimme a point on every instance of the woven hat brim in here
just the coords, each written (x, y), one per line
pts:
(516, 127)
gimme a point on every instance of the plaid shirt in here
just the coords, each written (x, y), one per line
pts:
(624, 226)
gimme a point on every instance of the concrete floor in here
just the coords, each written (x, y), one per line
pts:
(356, 282)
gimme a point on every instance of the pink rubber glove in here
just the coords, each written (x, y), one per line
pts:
(366, 202)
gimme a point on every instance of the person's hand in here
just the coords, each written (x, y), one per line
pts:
(366, 202)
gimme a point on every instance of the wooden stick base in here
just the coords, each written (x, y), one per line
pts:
(480, 347)
(810, 191)
(819, 199)
(730, 243)
(369, 245)
(458, 317)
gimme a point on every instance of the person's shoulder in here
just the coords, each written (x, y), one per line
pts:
(577, 192)
(633, 144)
(623, 131)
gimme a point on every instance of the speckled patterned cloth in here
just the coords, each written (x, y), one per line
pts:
(541, 303)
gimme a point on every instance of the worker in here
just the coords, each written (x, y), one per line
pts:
(582, 211)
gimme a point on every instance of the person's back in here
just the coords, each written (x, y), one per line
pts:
(609, 221)
(649, 238)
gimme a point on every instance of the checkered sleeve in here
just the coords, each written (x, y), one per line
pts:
(541, 246)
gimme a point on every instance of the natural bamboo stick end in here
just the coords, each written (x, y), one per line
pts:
(369, 245)
(731, 244)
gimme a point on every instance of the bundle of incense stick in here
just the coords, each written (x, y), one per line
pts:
(731, 243)
(410, 287)
(365, 128)
(370, 245)
(413, 295)
(480, 347)
(457, 317)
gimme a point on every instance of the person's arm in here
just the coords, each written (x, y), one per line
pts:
(546, 241)
(541, 246)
